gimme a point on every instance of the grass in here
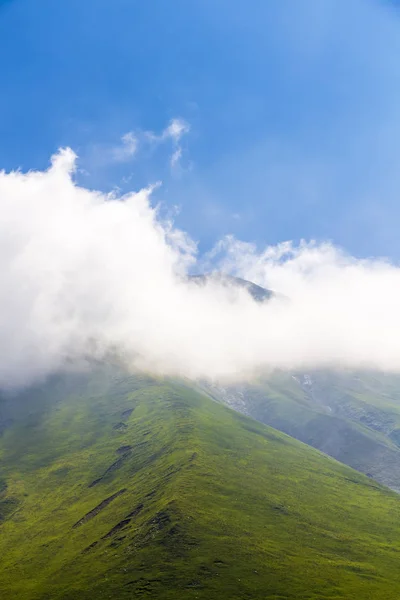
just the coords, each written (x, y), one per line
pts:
(354, 417)
(180, 498)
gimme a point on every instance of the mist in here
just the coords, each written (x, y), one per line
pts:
(84, 274)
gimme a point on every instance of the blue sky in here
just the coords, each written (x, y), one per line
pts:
(293, 107)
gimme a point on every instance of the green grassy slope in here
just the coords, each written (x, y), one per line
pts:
(137, 488)
(354, 417)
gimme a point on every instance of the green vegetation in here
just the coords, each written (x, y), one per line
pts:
(128, 487)
(354, 417)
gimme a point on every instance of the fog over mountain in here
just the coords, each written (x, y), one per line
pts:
(84, 273)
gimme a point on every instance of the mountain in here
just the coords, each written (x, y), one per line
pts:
(352, 416)
(256, 291)
(127, 486)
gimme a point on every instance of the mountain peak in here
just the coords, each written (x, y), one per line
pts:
(260, 294)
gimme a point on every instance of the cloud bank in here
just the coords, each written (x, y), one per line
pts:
(84, 273)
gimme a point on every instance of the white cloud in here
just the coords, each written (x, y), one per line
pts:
(175, 158)
(83, 272)
(174, 132)
(102, 155)
(126, 149)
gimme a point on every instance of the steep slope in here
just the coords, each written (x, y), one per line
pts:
(130, 487)
(353, 417)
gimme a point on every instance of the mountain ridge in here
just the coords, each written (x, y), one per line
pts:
(131, 486)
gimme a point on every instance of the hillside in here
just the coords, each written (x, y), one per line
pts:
(353, 417)
(131, 487)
